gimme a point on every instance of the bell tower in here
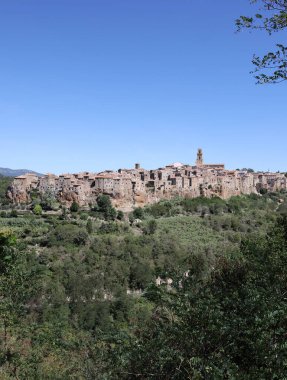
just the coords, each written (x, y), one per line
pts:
(199, 158)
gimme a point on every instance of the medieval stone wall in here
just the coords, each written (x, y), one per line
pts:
(136, 187)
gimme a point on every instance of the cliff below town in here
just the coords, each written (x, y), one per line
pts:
(136, 187)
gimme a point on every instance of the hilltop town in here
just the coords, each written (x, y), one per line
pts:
(136, 187)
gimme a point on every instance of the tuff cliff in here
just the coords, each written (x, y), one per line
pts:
(135, 187)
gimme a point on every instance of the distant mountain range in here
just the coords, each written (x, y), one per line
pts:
(15, 172)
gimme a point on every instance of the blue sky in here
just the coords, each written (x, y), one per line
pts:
(101, 84)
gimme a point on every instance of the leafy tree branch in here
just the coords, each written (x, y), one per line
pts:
(271, 17)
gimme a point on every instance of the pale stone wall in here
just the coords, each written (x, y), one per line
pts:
(137, 187)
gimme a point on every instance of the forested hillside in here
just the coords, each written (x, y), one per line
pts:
(6, 172)
(4, 183)
(182, 289)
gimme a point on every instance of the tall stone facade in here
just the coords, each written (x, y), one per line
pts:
(136, 187)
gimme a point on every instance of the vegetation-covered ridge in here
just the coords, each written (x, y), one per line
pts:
(15, 172)
(187, 288)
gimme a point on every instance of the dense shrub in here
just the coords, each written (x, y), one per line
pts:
(74, 207)
(79, 300)
(67, 234)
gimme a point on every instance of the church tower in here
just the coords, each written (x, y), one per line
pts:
(199, 158)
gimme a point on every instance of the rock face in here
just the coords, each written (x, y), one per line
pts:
(136, 187)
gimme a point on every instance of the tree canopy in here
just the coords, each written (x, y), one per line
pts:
(271, 17)
(194, 290)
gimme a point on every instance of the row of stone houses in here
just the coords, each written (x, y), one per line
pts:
(138, 186)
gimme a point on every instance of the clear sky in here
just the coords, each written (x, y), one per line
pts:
(101, 84)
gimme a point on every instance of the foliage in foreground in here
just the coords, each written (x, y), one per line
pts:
(271, 18)
(79, 300)
(230, 325)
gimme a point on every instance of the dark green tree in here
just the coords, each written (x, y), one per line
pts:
(13, 214)
(104, 207)
(150, 227)
(89, 226)
(19, 284)
(4, 185)
(120, 215)
(74, 207)
(138, 213)
(104, 202)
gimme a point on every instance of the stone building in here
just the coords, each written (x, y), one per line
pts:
(137, 186)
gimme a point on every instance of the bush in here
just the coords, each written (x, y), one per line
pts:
(104, 208)
(13, 214)
(160, 209)
(89, 226)
(37, 210)
(120, 215)
(68, 234)
(84, 216)
(103, 202)
(74, 207)
(80, 238)
(150, 227)
(107, 228)
(138, 213)
(131, 218)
